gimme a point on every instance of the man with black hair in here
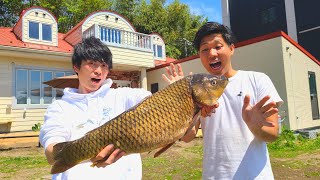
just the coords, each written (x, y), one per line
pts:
(236, 131)
(91, 105)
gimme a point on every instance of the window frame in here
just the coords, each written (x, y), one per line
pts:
(29, 69)
(156, 52)
(314, 110)
(40, 31)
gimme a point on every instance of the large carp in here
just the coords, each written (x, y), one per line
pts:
(157, 122)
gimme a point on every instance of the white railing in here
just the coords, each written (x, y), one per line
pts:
(117, 37)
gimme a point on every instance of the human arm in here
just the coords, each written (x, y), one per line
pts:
(98, 161)
(57, 128)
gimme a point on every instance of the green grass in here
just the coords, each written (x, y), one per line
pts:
(13, 164)
(186, 164)
(23, 166)
(288, 154)
(289, 146)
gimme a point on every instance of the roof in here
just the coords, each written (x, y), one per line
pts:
(83, 20)
(160, 62)
(245, 43)
(8, 38)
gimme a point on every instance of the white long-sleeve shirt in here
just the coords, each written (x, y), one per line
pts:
(75, 114)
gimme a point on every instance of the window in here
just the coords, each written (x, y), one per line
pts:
(40, 31)
(157, 51)
(154, 88)
(313, 95)
(46, 32)
(110, 35)
(34, 30)
(268, 15)
(31, 91)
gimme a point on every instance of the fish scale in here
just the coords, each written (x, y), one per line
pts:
(158, 121)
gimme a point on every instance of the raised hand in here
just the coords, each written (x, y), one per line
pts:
(172, 74)
(261, 118)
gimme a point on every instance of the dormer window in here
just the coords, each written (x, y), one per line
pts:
(40, 31)
(157, 51)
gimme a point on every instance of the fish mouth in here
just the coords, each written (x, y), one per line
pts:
(215, 65)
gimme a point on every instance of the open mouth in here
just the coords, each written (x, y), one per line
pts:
(95, 80)
(215, 65)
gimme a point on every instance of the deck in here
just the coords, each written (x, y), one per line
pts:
(19, 139)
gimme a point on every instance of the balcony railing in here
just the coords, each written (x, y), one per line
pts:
(121, 38)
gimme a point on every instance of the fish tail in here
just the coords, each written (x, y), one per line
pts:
(60, 164)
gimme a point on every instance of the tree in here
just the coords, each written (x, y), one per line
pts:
(127, 8)
(11, 9)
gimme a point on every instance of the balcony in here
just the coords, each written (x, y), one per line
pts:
(120, 38)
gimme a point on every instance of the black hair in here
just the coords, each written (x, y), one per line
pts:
(91, 48)
(213, 28)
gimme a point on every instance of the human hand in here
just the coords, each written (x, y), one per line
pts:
(107, 156)
(172, 74)
(208, 110)
(260, 115)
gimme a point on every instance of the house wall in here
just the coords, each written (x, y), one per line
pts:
(297, 65)
(23, 118)
(193, 66)
(47, 19)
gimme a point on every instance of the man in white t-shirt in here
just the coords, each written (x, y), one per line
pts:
(235, 133)
(91, 105)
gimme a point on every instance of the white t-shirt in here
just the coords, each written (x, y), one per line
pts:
(75, 114)
(230, 149)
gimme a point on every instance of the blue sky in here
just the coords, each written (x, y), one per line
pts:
(208, 8)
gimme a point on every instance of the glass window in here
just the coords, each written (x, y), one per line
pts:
(34, 30)
(154, 88)
(35, 87)
(21, 86)
(30, 89)
(313, 95)
(46, 32)
(268, 15)
(47, 90)
(159, 50)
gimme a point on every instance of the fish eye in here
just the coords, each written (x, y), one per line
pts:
(213, 82)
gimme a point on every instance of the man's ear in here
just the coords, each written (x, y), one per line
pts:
(232, 47)
(76, 69)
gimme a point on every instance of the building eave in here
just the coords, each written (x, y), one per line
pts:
(12, 51)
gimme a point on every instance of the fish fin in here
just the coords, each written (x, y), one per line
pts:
(194, 121)
(60, 165)
(163, 149)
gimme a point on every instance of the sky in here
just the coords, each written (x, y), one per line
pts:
(207, 8)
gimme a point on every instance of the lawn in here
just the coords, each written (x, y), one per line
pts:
(299, 160)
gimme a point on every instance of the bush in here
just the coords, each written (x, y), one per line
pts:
(36, 127)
